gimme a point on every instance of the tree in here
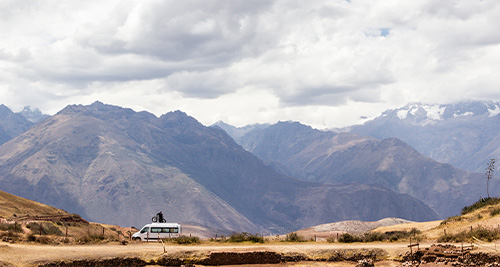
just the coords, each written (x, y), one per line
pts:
(490, 169)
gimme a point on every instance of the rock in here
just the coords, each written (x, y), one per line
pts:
(365, 263)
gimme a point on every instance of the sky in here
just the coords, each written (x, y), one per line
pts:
(328, 64)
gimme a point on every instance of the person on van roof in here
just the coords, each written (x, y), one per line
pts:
(160, 217)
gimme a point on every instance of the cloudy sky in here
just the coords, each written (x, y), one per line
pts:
(327, 63)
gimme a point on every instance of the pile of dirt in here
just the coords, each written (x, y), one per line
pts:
(115, 262)
(221, 258)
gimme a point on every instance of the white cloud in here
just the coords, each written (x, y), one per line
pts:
(325, 63)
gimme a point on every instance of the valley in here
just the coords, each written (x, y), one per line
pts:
(102, 171)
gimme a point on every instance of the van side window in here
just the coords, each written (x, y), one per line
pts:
(144, 230)
(155, 230)
(174, 230)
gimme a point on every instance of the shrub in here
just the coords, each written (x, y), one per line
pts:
(294, 237)
(44, 240)
(90, 238)
(11, 227)
(373, 236)
(9, 236)
(31, 237)
(331, 239)
(47, 228)
(495, 211)
(183, 240)
(245, 237)
(479, 232)
(482, 202)
(452, 219)
(349, 238)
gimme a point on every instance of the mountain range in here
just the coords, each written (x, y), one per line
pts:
(329, 157)
(112, 164)
(466, 134)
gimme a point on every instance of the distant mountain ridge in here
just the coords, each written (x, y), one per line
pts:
(13, 124)
(329, 157)
(465, 134)
(33, 115)
(115, 165)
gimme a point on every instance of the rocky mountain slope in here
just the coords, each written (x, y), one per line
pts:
(466, 135)
(11, 124)
(118, 166)
(328, 157)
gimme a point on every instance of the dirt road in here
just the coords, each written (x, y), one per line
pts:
(20, 254)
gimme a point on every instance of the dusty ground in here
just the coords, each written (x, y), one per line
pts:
(23, 254)
(31, 254)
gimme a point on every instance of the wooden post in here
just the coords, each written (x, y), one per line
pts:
(15, 226)
(314, 238)
(411, 252)
(130, 234)
(147, 236)
(103, 231)
(444, 232)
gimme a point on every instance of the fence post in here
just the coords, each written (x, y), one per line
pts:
(411, 252)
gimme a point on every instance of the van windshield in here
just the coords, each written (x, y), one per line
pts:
(144, 230)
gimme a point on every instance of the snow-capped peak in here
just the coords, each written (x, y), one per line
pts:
(423, 114)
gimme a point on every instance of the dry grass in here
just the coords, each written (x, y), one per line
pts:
(12, 206)
(485, 217)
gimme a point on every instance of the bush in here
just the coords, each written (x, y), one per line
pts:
(90, 238)
(374, 236)
(10, 227)
(47, 228)
(44, 240)
(245, 237)
(349, 238)
(479, 204)
(183, 240)
(479, 232)
(495, 211)
(9, 236)
(452, 219)
(331, 239)
(294, 237)
(31, 237)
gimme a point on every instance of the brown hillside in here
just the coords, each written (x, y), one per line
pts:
(485, 217)
(14, 208)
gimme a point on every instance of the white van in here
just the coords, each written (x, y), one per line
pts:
(153, 231)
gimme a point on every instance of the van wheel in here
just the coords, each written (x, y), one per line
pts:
(136, 239)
